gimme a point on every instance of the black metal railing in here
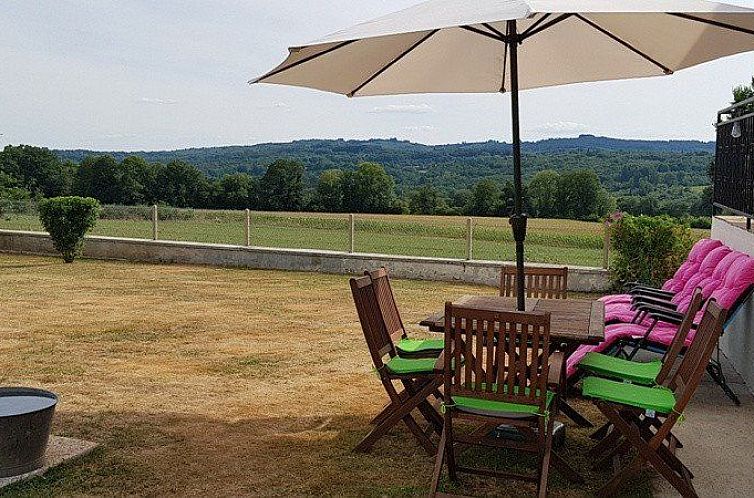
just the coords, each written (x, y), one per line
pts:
(733, 175)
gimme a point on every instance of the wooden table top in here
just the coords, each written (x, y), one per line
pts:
(577, 321)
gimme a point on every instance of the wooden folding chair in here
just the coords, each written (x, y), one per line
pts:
(654, 373)
(645, 416)
(406, 346)
(498, 370)
(545, 283)
(418, 376)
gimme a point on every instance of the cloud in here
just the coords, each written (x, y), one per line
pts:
(402, 109)
(280, 106)
(157, 101)
(560, 128)
(414, 128)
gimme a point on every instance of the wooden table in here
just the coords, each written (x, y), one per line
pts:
(573, 322)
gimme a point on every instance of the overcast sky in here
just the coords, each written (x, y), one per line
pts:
(147, 75)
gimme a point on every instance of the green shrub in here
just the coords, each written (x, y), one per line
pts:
(648, 249)
(703, 222)
(67, 219)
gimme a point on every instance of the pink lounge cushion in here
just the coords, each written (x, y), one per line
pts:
(738, 272)
(716, 262)
(738, 280)
(616, 298)
(662, 333)
(697, 254)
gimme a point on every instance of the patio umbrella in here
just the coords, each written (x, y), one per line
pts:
(475, 46)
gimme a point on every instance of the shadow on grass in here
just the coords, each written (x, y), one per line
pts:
(309, 455)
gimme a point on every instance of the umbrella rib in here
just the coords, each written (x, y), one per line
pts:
(496, 31)
(623, 42)
(531, 32)
(535, 24)
(483, 33)
(302, 61)
(391, 63)
(711, 22)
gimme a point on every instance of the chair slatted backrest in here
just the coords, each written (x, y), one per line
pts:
(686, 379)
(679, 340)
(498, 356)
(386, 302)
(378, 340)
(546, 283)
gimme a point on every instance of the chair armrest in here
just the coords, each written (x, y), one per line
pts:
(656, 306)
(556, 373)
(660, 294)
(667, 316)
(648, 299)
(440, 363)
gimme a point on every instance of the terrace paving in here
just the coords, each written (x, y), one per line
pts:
(719, 441)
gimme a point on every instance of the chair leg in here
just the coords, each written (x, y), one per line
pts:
(427, 410)
(401, 412)
(420, 435)
(600, 433)
(571, 413)
(545, 444)
(449, 450)
(647, 452)
(437, 473)
(715, 371)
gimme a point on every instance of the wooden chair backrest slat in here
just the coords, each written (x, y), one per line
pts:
(498, 356)
(546, 283)
(694, 363)
(679, 340)
(386, 302)
(378, 340)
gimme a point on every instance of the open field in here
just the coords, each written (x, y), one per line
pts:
(548, 241)
(203, 381)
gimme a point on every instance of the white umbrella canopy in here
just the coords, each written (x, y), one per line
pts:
(459, 46)
(482, 46)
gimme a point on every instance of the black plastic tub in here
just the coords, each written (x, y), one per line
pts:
(25, 420)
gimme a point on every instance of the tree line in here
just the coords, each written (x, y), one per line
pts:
(28, 172)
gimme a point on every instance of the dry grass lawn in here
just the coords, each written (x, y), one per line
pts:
(205, 381)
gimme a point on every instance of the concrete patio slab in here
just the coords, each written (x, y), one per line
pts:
(59, 450)
(719, 441)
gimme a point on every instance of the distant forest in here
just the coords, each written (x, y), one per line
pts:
(623, 166)
(579, 178)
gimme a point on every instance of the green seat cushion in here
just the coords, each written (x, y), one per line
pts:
(657, 398)
(409, 366)
(609, 366)
(414, 346)
(498, 408)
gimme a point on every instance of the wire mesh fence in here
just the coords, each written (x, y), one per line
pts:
(548, 241)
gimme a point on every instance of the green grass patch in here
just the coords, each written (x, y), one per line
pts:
(548, 241)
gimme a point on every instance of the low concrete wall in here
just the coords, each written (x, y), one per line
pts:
(738, 341)
(580, 279)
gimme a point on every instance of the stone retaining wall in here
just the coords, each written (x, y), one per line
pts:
(580, 279)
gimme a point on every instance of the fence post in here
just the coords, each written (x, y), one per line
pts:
(351, 233)
(247, 228)
(154, 222)
(606, 249)
(469, 239)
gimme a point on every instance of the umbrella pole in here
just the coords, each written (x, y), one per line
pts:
(518, 218)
